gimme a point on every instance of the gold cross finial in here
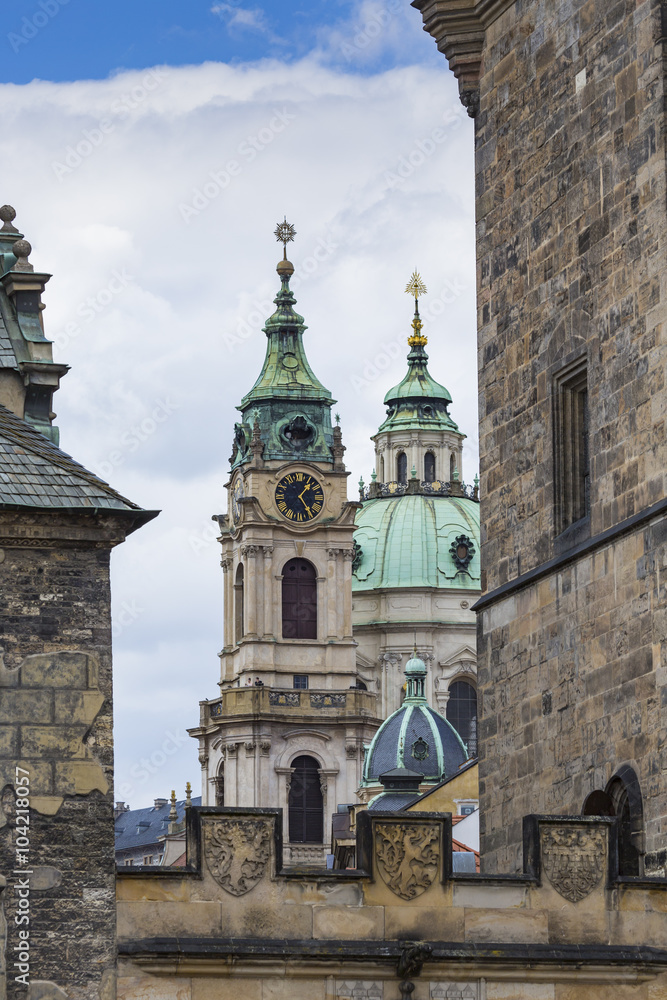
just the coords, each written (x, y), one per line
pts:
(285, 233)
(416, 287)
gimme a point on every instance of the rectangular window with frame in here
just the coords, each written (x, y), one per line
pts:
(300, 682)
(571, 445)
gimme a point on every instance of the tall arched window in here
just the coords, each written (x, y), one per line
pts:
(429, 467)
(306, 804)
(299, 600)
(402, 468)
(462, 713)
(452, 467)
(238, 603)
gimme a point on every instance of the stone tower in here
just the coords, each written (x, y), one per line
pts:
(289, 727)
(568, 101)
(58, 525)
(417, 572)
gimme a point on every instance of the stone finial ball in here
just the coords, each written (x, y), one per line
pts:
(21, 248)
(7, 213)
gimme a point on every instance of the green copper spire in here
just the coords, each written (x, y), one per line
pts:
(293, 407)
(418, 401)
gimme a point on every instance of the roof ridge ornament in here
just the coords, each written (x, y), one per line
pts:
(416, 287)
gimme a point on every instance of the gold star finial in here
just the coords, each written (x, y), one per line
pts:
(285, 233)
(416, 287)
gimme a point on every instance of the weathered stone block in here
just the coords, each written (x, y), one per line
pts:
(506, 927)
(61, 670)
(349, 922)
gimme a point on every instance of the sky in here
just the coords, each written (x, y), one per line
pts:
(150, 150)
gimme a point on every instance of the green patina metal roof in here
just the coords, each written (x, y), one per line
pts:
(418, 401)
(290, 405)
(285, 372)
(407, 541)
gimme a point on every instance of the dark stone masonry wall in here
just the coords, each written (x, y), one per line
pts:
(570, 174)
(56, 723)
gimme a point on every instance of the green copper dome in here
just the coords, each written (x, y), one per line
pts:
(418, 401)
(417, 541)
(290, 405)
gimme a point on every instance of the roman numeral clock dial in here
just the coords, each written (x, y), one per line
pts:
(299, 497)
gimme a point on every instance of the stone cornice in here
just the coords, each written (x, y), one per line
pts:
(458, 28)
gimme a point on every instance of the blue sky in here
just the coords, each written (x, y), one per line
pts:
(148, 169)
(64, 40)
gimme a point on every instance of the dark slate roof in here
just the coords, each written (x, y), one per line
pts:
(7, 357)
(142, 827)
(35, 473)
(394, 742)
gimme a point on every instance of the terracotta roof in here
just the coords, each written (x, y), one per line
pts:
(35, 473)
(180, 861)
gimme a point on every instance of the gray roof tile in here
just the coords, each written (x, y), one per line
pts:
(34, 472)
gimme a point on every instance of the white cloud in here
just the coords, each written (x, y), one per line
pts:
(248, 19)
(159, 367)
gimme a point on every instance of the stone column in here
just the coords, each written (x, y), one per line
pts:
(228, 602)
(231, 774)
(251, 584)
(247, 790)
(346, 595)
(284, 784)
(333, 595)
(203, 763)
(268, 592)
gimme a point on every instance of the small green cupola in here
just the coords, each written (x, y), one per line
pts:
(418, 401)
(288, 407)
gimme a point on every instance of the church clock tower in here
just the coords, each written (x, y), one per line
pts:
(289, 726)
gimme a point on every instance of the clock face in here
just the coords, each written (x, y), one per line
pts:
(237, 493)
(299, 497)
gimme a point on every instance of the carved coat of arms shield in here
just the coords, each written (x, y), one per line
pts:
(573, 860)
(407, 856)
(237, 852)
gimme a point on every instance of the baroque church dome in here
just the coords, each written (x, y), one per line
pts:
(415, 737)
(417, 541)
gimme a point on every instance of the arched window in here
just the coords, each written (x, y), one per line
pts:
(306, 804)
(452, 467)
(220, 785)
(462, 713)
(622, 799)
(299, 600)
(429, 467)
(238, 603)
(402, 468)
